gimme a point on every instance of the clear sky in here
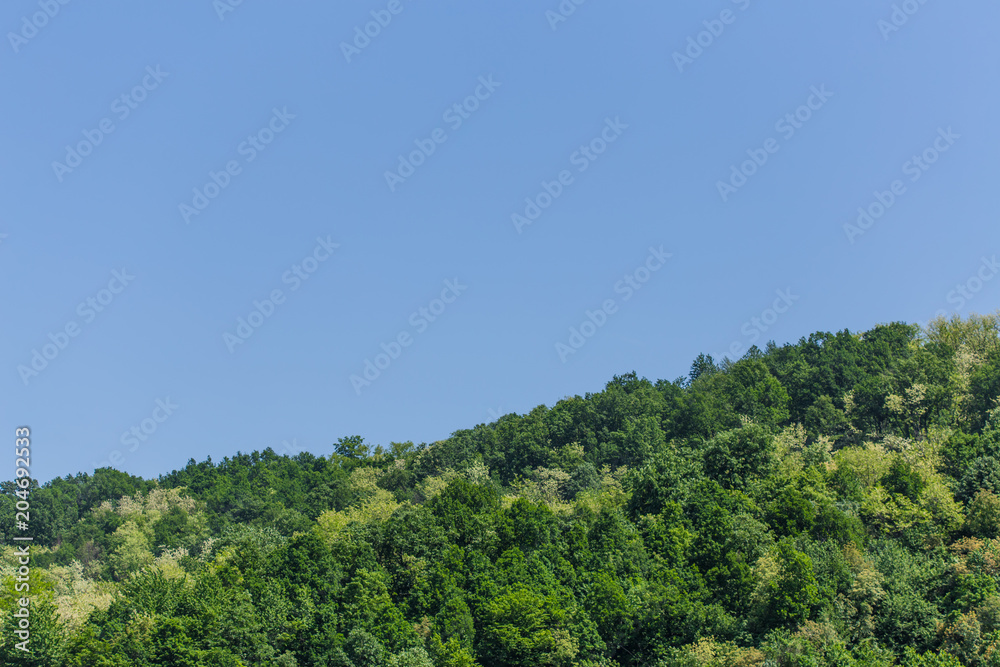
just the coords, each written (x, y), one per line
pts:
(676, 169)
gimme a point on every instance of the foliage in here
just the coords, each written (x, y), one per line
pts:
(834, 501)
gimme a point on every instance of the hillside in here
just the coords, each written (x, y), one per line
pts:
(830, 502)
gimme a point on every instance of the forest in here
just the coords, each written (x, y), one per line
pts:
(834, 501)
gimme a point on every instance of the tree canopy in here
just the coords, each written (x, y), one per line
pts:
(834, 501)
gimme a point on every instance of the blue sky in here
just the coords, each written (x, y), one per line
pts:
(612, 117)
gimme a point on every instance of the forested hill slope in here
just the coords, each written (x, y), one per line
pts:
(830, 502)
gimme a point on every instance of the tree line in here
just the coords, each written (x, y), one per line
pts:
(834, 501)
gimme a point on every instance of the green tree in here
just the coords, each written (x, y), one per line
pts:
(46, 644)
(752, 391)
(734, 457)
(787, 592)
(352, 447)
(522, 628)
